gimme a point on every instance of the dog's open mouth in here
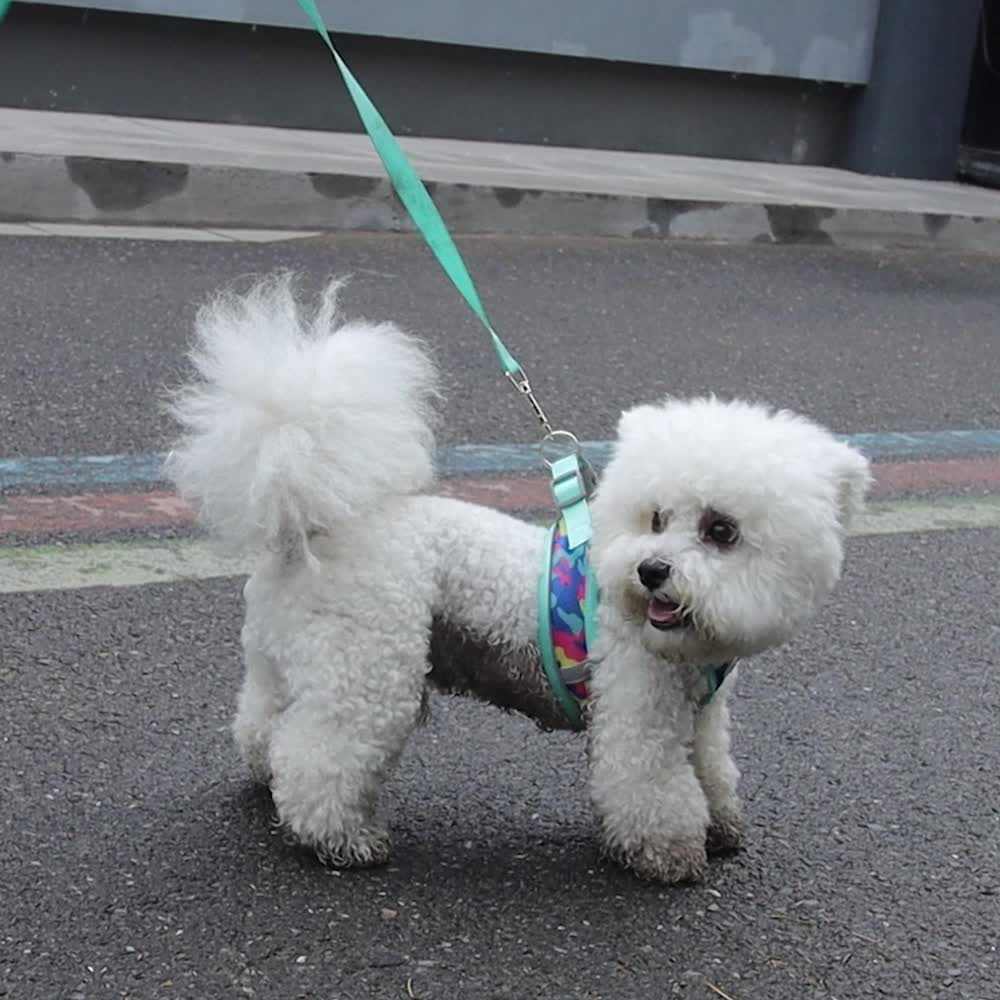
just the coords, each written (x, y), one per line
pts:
(665, 614)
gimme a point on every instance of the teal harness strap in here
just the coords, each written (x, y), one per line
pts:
(569, 490)
(714, 679)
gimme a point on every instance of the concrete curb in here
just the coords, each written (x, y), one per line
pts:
(54, 188)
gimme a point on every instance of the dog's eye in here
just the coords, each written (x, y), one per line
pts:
(659, 522)
(720, 531)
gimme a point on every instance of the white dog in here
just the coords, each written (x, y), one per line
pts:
(717, 531)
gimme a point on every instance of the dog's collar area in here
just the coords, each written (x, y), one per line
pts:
(567, 626)
(714, 678)
(567, 589)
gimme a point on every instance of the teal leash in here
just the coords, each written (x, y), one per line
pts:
(421, 208)
(572, 478)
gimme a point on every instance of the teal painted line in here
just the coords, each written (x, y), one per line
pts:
(83, 471)
(80, 470)
(926, 444)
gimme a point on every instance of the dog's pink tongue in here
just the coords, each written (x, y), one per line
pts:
(664, 612)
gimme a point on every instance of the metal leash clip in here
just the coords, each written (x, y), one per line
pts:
(520, 382)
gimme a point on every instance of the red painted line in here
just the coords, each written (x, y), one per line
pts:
(160, 509)
(510, 493)
(91, 512)
(943, 474)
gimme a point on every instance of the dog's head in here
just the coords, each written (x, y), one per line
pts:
(718, 526)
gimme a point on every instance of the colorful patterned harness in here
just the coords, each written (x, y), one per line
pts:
(567, 605)
(567, 608)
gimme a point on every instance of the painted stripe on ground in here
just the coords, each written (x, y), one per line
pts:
(71, 567)
(160, 508)
(465, 459)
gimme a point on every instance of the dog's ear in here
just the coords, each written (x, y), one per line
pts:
(853, 475)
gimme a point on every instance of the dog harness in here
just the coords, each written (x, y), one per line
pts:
(568, 596)
(567, 621)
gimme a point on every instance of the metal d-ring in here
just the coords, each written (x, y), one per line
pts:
(558, 444)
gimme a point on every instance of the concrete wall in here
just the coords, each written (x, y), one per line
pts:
(67, 59)
(828, 40)
(842, 82)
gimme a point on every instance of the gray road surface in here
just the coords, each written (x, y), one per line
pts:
(93, 330)
(138, 861)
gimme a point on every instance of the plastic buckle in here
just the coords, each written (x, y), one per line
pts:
(568, 486)
(572, 484)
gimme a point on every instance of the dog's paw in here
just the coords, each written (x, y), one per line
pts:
(726, 831)
(682, 859)
(367, 848)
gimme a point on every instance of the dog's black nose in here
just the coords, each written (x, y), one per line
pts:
(652, 573)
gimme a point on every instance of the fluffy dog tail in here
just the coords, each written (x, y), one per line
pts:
(295, 422)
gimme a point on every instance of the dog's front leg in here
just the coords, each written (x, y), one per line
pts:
(718, 775)
(644, 788)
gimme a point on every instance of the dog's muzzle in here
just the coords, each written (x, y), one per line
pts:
(661, 612)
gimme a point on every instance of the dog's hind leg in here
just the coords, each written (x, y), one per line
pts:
(261, 699)
(335, 744)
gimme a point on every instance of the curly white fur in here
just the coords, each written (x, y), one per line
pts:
(662, 773)
(292, 430)
(310, 442)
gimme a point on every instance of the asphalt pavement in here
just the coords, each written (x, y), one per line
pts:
(95, 330)
(138, 861)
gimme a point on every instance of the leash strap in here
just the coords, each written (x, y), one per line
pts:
(422, 209)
